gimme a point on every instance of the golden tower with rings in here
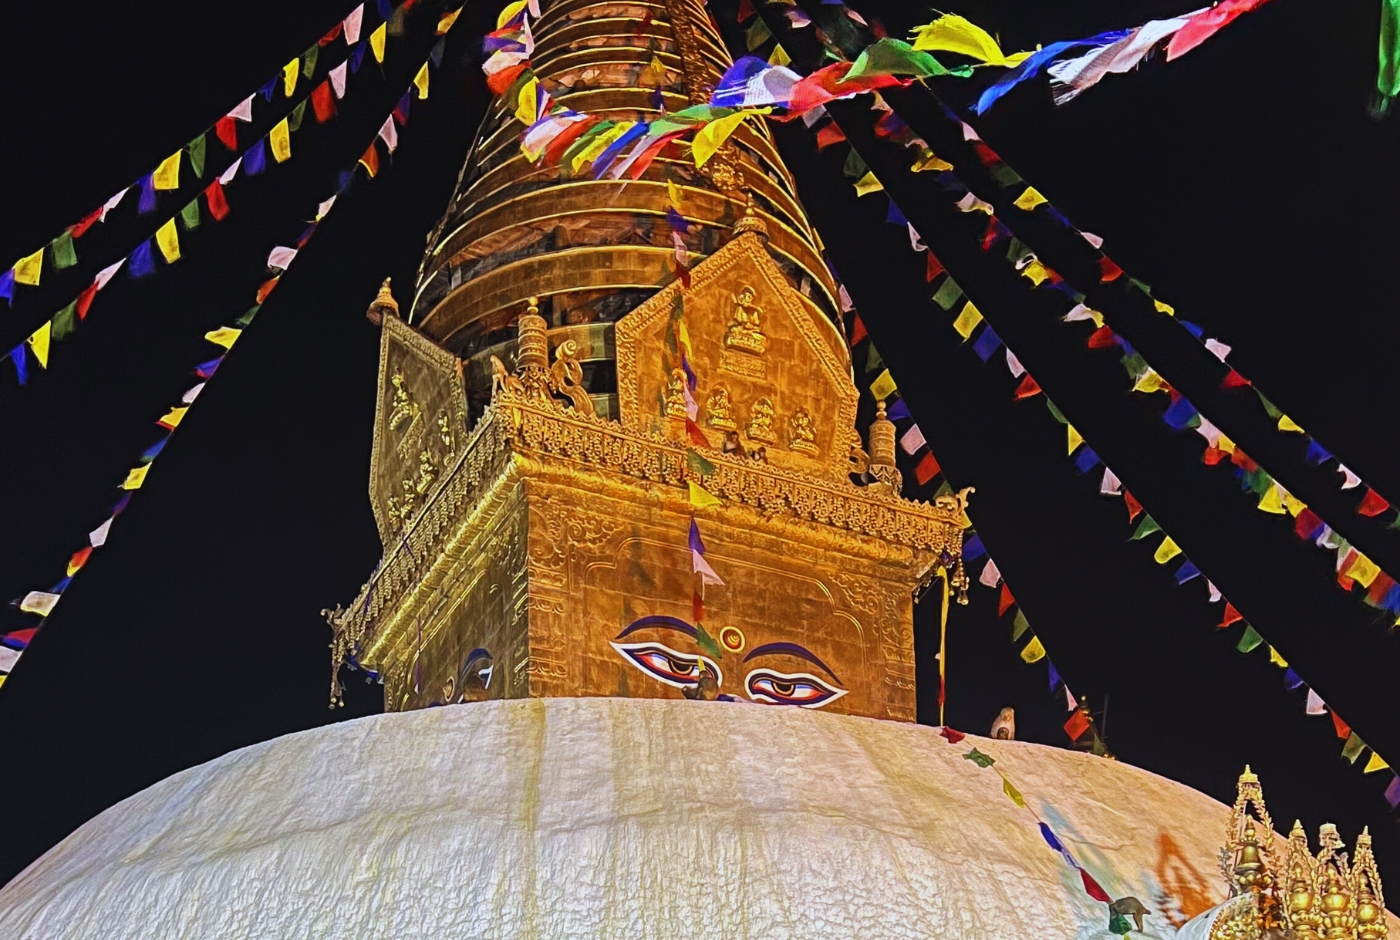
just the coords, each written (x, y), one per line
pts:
(593, 478)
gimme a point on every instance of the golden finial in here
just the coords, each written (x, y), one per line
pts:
(384, 302)
(750, 222)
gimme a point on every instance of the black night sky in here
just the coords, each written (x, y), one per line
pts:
(1245, 183)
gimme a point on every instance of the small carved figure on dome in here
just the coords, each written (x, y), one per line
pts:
(1004, 728)
(717, 409)
(445, 432)
(502, 380)
(804, 433)
(675, 395)
(761, 422)
(426, 473)
(746, 324)
(404, 409)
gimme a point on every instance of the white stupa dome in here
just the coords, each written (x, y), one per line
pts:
(625, 819)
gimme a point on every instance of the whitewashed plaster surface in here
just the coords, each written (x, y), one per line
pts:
(625, 819)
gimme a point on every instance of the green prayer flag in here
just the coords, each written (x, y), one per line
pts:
(1118, 924)
(1388, 77)
(294, 119)
(65, 321)
(1250, 641)
(1135, 365)
(1055, 412)
(944, 489)
(1018, 251)
(308, 61)
(64, 256)
(1019, 625)
(873, 360)
(1140, 286)
(395, 24)
(1269, 406)
(896, 57)
(1353, 748)
(1005, 176)
(948, 294)
(1098, 748)
(707, 643)
(189, 215)
(855, 167)
(757, 34)
(247, 317)
(1146, 527)
(978, 758)
(699, 464)
(196, 149)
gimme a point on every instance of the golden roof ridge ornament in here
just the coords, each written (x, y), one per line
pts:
(383, 303)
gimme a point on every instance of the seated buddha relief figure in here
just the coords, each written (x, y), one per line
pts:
(745, 330)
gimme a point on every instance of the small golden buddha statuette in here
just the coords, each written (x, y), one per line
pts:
(745, 330)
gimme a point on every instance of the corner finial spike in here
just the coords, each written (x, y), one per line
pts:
(384, 303)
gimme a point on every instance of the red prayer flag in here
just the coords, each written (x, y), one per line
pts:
(746, 11)
(214, 195)
(1307, 523)
(266, 288)
(697, 436)
(79, 558)
(829, 133)
(953, 737)
(1343, 729)
(1231, 616)
(331, 37)
(226, 129)
(1379, 588)
(927, 468)
(1006, 600)
(995, 233)
(858, 332)
(1212, 456)
(1029, 387)
(1092, 887)
(1108, 271)
(501, 81)
(1372, 504)
(1076, 726)
(26, 636)
(85, 300)
(639, 166)
(1234, 380)
(86, 222)
(1242, 460)
(370, 160)
(683, 273)
(986, 154)
(323, 102)
(1134, 507)
(935, 268)
(565, 139)
(829, 83)
(1102, 338)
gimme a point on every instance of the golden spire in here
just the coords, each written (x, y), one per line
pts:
(384, 302)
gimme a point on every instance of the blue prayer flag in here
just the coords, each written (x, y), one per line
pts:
(141, 264)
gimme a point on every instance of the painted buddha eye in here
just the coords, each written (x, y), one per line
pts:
(802, 689)
(680, 670)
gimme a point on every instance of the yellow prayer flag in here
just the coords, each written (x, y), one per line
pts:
(510, 12)
(1225, 444)
(376, 42)
(224, 336)
(868, 184)
(290, 71)
(683, 337)
(779, 57)
(1286, 423)
(1034, 651)
(953, 33)
(420, 81)
(168, 239)
(598, 144)
(1168, 309)
(702, 498)
(280, 139)
(1029, 199)
(1362, 570)
(135, 477)
(1148, 382)
(1293, 504)
(447, 20)
(930, 162)
(526, 103)
(967, 320)
(883, 386)
(1036, 272)
(673, 193)
(1276, 659)
(1166, 551)
(39, 342)
(712, 136)
(1074, 438)
(28, 269)
(1012, 792)
(3, 678)
(1374, 764)
(173, 417)
(1272, 500)
(167, 175)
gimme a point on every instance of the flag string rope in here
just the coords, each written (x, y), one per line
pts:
(41, 604)
(27, 270)
(252, 161)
